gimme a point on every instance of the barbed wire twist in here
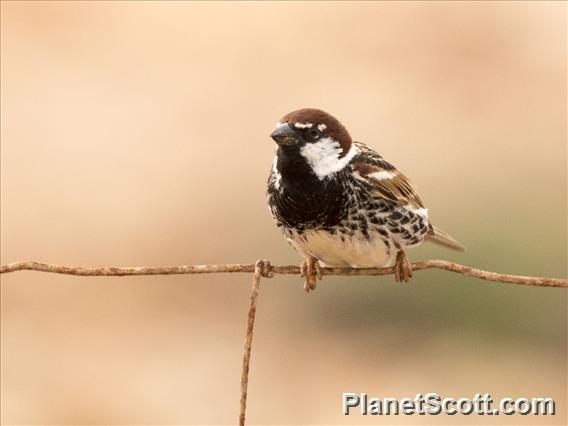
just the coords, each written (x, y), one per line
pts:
(263, 268)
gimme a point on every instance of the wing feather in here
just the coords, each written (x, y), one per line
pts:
(384, 179)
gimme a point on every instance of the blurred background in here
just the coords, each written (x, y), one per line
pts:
(137, 134)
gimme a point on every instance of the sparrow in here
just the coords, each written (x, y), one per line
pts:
(339, 203)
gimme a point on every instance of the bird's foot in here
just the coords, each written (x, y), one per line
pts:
(310, 269)
(402, 268)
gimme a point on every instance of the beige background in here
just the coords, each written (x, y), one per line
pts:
(137, 134)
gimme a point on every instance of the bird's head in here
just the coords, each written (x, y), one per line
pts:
(316, 137)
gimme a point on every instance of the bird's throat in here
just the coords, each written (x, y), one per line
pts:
(303, 197)
(294, 168)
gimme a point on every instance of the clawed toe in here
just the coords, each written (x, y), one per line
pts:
(310, 269)
(303, 269)
(317, 269)
(402, 268)
(308, 286)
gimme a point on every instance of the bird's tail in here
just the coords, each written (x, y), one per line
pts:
(436, 235)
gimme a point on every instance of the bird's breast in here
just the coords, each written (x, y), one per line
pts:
(308, 203)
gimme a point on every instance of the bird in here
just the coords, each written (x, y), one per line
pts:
(341, 204)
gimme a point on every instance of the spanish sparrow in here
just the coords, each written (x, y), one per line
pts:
(339, 203)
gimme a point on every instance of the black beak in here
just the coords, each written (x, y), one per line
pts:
(284, 135)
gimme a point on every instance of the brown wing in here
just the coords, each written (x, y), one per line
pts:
(386, 182)
(384, 179)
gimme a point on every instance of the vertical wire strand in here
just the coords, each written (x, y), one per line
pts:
(248, 340)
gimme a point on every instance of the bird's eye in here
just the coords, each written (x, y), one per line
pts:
(313, 134)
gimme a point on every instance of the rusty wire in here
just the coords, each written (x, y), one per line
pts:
(286, 269)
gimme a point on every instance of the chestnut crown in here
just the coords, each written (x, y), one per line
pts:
(309, 125)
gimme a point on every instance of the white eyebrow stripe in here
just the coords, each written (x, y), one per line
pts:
(303, 125)
(322, 127)
(384, 174)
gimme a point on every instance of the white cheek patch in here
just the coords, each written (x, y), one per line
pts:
(323, 156)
